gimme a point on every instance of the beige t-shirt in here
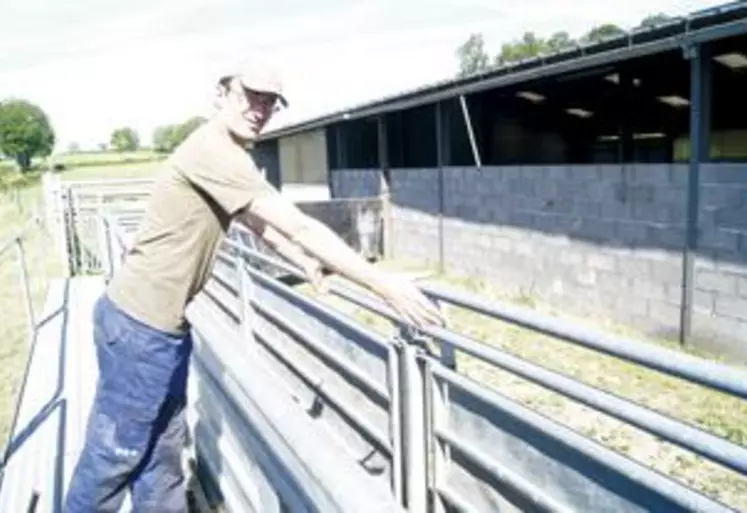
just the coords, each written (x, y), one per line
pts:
(206, 181)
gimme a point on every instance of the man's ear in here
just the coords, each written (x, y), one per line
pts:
(221, 94)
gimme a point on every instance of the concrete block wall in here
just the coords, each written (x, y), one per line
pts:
(599, 240)
(720, 302)
(355, 183)
(358, 221)
(590, 239)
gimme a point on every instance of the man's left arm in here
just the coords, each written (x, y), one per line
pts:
(286, 248)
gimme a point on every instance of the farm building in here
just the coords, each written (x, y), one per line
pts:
(609, 180)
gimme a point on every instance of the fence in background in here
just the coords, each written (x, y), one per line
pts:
(296, 406)
(76, 213)
(14, 266)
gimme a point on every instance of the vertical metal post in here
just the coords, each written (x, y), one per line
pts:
(441, 199)
(26, 286)
(700, 98)
(71, 246)
(246, 299)
(109, 249)
(55, 221)
(414, 429)
(395, 420)
(439, 454)
(103, 252)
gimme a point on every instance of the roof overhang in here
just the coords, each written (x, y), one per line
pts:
(679, 35)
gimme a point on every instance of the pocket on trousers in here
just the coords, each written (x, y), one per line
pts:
(119, 442)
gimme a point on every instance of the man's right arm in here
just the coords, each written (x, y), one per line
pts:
(319, 240)
(316, 238)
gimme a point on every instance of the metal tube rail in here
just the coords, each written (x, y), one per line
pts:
(456, 500)
(343, 406)
(718, 376)
(372, 304)
(325, 312)
(349, 369)
(715, 375)
(694, 439)
(225, 282)
(281, 426)
(502, 474)
(686, 498)
(16, 241)
(7, 244)
(211, 291)
(706, 444)
(702, 442)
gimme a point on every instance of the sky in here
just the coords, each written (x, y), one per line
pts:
(95, 65)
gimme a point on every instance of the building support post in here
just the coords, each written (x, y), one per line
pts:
(385, 188)
(470, 131)
(700, 126)
(439, 118)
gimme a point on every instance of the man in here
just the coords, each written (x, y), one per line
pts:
(136, 428)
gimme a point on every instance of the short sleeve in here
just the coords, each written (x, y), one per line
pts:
(223, 171)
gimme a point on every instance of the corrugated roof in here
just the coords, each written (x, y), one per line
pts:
(704, 25)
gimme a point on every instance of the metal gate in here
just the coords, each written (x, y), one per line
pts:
(80, 214)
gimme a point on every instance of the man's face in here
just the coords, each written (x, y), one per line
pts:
(246, 112)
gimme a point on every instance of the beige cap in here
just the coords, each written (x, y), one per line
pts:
(258, 75)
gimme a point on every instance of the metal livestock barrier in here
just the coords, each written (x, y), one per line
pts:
(16, 245)
(453, 443)
(297, 405)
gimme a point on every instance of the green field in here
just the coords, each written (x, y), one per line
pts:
(82, 159)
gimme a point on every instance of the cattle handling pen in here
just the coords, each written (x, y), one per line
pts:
(297, 406)
(302, 401)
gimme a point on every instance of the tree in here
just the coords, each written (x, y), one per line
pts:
(602, 32)
(163, 138)
(73, 147)
(185, 129)
(560, 41)
(25, 132)
(654, 20)
(528, 46)
(472, 56)
(125, 139)
(166, 138)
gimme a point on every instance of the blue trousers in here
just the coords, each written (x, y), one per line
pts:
(136, 428)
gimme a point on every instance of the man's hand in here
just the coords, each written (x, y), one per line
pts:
(409, 302)
(315, 274)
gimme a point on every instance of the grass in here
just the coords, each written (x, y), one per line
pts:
(712, 411)
(122, 171)
(85, 159)
(15, 214)
(20, 200)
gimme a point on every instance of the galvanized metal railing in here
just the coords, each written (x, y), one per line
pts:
(273, 364)
(15, 244)
(76, 211)
(428, 437)
(252, 442)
